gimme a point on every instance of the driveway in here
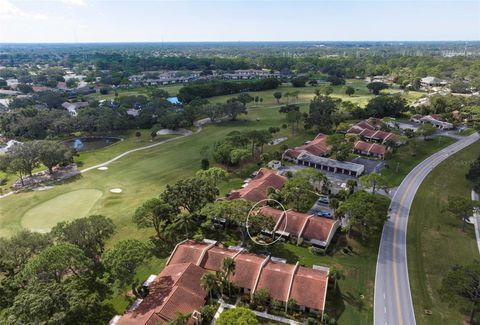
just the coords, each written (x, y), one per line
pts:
(393, 301)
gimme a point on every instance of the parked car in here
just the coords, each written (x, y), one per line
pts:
(324, 214)
(323, 199)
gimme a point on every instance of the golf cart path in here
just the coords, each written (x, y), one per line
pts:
(392, 298)
(199, 124)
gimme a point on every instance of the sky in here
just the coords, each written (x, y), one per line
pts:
(72, 21)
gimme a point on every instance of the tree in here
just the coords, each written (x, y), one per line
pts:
(351, 184)
(155, 213)
(376, 87)
(320, 114)
(426, 130)
(228, 268)
(290, 305)
(214, 111)
(386, 106)
(293, 118)
(473, 174)
(16, 251)
(55, 262)
(138, 136)
(462, 283)
(235, 213)
(336, 274)
(300, 193)
(70, 302)
(89, 234)
(373, 181)
(214, 175)
(299, 81)
(190, 194)
(325, 90)
(124, 258)
(26, 155)
(461, 208)
(349, 91)
(245, 98)
(237, 316)
(233, 109)
(261, 297)
(367, 212)
(209, 283)
(277, 95)
(52, 154)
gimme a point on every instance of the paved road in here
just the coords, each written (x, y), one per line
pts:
(393, 300)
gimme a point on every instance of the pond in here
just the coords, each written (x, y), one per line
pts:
(173, 100)
(90, 143)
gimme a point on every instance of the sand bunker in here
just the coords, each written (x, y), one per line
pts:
(102, 168)
(116, 190)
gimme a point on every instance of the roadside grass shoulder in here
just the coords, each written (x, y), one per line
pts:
(435, 241)
(402, 161)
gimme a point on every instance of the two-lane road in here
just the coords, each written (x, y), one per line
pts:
(393, 300)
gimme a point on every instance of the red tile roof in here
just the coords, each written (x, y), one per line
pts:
(176, 290)
(247, 266)
(213, 258)
(309, 288)
(188, 252)
(301, 224)
(317, 146)
(257, 189)
(372, 148)
(318, 228)
(276, 278)
(368, 131)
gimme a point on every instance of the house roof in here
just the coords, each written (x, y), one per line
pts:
(175, 290)
(331, 162)
(213, 258)
(276, 278)
(317, 146)
(188, 252)
(373, 148)
(301, 224)
(257, 189)
(309, 288)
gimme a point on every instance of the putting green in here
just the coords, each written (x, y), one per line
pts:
(65, 207)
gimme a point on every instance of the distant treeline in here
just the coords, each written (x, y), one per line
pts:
(208, 89)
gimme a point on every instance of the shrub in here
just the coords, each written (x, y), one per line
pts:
(316, 250)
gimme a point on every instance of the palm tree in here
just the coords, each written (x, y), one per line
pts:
(336, 274)
(334, 204)
(209, 283)
(351, 183)
(182, 221)
(228, 267)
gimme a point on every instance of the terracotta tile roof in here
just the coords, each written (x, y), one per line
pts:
(368, 131)
(317, 146)
(213, 259)
(276, 278)
(309, 288)
(293, 153)
(257, 189)
(367, 125)
(247, 266)
(318, 228)
(308, 285)
(373, 148)
(188, 252)
(176, 290)
(301, 224)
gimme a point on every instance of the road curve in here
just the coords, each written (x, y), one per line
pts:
(393, 300)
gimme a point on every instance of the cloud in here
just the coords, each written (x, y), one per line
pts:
(9, 10)
(75, 2)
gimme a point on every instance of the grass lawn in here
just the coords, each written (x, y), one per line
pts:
(436, 241)
(402, 161)
(172, 91)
